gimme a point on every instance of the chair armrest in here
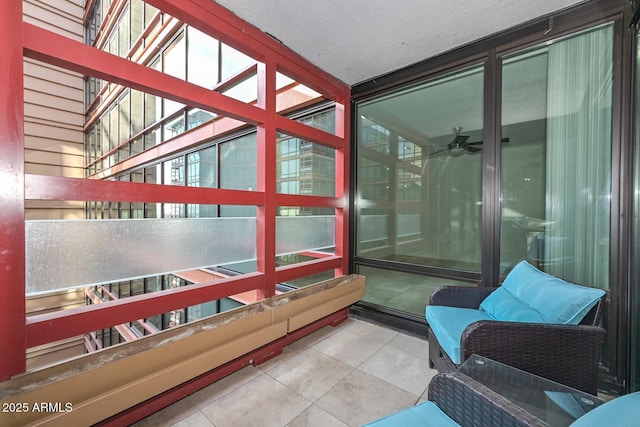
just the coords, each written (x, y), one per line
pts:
(460, 296)
(568, 354)
(470, 403)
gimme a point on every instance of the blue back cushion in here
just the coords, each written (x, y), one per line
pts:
(621, 411)
(529, 295)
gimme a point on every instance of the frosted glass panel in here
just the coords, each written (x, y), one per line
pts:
(71, 254)
(373, 228)
(304, 233)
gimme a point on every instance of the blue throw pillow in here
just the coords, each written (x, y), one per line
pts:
(530, 295)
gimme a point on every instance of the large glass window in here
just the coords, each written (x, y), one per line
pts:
(409, 293)
(203, 59)
(238, 160)
(419, 174)
(175, 64)
(303, 167)
(556, 167)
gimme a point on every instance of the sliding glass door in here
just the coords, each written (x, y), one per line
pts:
(421, 160)
(419, 186)
(556, 167)
(419, 197)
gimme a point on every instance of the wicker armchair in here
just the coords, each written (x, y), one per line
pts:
(568, 354)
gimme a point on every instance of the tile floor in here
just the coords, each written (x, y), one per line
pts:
(343, 376)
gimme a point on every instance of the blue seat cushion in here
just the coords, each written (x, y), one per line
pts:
(448, 324)
(530, 295)
(425, 414)
(621, 411)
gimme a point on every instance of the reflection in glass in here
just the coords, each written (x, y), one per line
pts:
(174, 175)
(196, 117)
(245, 91)
(556, 168)
(238, 159)
(174, 64)
(233, 61)
(401, 291)
(202, 171)
(304, 167)
(174, 127)
(203, 59)
(419, 177)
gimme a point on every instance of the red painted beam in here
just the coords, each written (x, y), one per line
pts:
(300, 130)
(61, 324)
(215, 20)
(41, 187)
(46, 46)
(315, 254)
(307, 268)
(12, 238)
(303, 200)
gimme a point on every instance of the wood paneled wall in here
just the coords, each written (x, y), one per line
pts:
(54, 109)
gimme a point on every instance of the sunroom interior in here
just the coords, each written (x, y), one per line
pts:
(220, 181)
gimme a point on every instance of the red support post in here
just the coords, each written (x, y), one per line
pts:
(12, 232)
(266, 176)
(343, 167)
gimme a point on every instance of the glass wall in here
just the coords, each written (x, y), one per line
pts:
(420, 156)
(556, 167)
(419, 184)
(419, 174)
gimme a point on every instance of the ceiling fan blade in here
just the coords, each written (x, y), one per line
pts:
(503, 140)
(473, 149)
(458, 140)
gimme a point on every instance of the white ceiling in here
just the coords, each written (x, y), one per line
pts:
(359, 40)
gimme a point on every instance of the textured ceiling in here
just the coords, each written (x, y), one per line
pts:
(359, 40)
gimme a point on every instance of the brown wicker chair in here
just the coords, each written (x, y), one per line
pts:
(470, 403)
(568, 354)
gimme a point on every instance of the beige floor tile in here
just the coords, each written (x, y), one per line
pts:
(400, 367)
(348, 375)
(360, 398)
(197, 419)
(311, 373)
(355, 342)
(288, 353)
(415, 346)
(215, 391)
(262, 402)
(316, 337)
(316, 417)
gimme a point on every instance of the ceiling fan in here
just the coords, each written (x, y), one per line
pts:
(459, 145)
